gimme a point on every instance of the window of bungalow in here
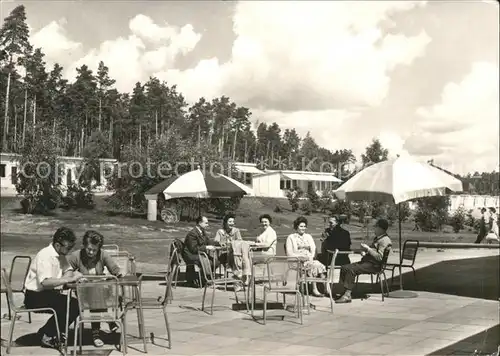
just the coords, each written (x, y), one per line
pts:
(69, 179)
(248, 178)
(13, 174)
(2, 170)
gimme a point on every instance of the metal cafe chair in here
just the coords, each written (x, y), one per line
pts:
(19, 269)
(21, 309)
(98, 302)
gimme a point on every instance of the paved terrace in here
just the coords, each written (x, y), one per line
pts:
(420, 326)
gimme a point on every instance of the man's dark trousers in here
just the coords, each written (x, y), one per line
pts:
(57, 301)
(349, 272)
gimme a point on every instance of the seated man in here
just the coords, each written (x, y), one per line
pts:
(44, 282)
(335, 238)
(197, 241)
(370, 262)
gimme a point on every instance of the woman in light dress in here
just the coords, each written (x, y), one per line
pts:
(265, 245)
(302, 245)
(230, 236)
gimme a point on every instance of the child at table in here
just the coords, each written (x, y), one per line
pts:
(91, 260)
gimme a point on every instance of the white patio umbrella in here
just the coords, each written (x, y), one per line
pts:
(398, 180)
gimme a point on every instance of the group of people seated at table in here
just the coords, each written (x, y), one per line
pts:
(298, 244)
(54, 267)
(238, 250)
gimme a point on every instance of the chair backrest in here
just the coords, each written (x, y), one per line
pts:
(410, 251)
(330, 273)
(112, 248)
(18, 271)
(176, 252)
(279, 268)
(125, 261)
(206, 266)
(385, 256)
(98, 294)
(7, 288)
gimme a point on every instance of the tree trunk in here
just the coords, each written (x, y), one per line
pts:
(100, 114)
(140, 137)
(110, 136)
(34, 116)
(245, 159)
(234, 143)
(6, 113)
(156, 124)
(15, 129)
(25, 113)
(199, 135)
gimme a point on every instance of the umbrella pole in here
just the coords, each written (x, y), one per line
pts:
(401, 293)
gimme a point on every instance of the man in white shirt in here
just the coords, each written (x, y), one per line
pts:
(49, 272)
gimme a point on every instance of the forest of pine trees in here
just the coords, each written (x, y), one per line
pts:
(154, 119)
(40, 102)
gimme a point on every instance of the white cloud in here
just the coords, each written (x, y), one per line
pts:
(55, 43)
(148, 49)
(462, 130)
(310, 56)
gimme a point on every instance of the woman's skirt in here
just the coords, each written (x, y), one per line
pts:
(314, 268)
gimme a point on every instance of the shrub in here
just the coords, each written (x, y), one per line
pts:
(293, 197)
(278, 209)
(342, 207)
(314, 199)
(432, 212)
(376, 209)
(457, 220)
(306, 207)
(78, 197)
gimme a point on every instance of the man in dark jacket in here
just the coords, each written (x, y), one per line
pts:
(335, 237)
(197, 241)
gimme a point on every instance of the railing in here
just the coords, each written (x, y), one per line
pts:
(457, 245)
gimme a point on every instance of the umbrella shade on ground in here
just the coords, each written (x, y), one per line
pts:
(398, 180)
(196, 184)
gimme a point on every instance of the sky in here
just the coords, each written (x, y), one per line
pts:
(423, 77)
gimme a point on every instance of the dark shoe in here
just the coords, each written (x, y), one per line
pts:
(343, 300)
(113, 327)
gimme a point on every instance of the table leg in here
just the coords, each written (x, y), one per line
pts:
(66, 327)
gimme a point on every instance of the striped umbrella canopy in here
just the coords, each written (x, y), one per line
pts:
(195, 184)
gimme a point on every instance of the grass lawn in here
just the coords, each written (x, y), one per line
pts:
(149, 240)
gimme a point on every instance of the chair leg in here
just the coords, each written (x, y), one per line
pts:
(123, 348)
(167, 325)
(8, 306)
(124, 331)
(414, 273)
(329, 291)
(213, 299)
(80, 344)
(75, 337)
(264, 308)
(299, 305)
(11, 332)
(381, 286)
(203, 300)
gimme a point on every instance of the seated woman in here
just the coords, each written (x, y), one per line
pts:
(265, 245)
(230, 236)
(301, 245)
(91, 260)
